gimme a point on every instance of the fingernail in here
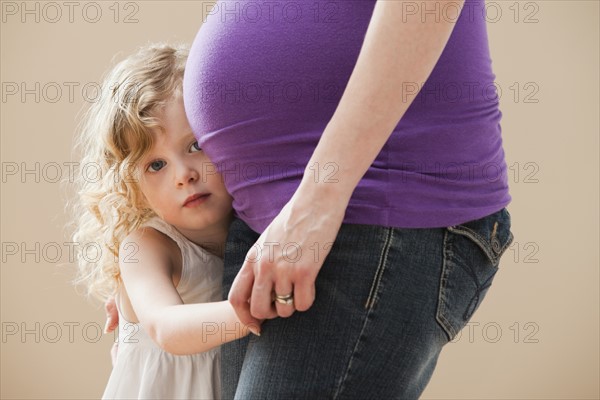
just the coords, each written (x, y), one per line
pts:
(254, 330)
(106, 327)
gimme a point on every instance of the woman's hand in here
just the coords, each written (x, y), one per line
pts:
(288, 255)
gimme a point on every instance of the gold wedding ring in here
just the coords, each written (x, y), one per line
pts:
(287, 299)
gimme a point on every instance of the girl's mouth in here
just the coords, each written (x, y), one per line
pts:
(196, 199)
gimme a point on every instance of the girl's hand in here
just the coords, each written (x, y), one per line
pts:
(112, 315)
(112, 321)
(288, 256)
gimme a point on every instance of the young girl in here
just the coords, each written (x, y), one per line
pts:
(159, 214)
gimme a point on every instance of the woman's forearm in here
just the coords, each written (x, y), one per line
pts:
(394, 52)
(195, 328)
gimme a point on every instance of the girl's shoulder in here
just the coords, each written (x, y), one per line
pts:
(146, 235)
(148, 241)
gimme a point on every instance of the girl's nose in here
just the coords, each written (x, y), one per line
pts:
(186, 174)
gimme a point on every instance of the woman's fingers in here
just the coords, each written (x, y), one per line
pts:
(261, 302)
(254, 290)
(239, 297)
(304, 294)
(283, 297)
(281, 288)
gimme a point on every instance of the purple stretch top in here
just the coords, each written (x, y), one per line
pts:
(264, 78)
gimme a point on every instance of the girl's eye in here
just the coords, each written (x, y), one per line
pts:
(156, 166)
(195, 147)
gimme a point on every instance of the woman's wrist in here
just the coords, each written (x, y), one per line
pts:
(329, 173)
(332, 189)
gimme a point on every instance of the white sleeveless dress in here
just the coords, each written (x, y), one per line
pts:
(145, 371)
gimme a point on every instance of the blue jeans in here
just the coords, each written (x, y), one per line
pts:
(387, 301)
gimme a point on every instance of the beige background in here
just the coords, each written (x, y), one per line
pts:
(535, 336)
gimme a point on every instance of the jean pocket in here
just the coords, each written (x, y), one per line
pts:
(472, 253)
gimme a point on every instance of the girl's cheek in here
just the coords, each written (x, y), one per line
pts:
(142, 182)
(147, 183)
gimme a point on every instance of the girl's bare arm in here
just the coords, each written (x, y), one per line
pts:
(176, 327)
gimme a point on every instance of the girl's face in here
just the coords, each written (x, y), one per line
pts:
(178, 180)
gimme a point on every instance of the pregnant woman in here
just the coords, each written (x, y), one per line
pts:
(361, 143)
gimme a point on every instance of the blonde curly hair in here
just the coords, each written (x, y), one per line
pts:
(115, 135)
